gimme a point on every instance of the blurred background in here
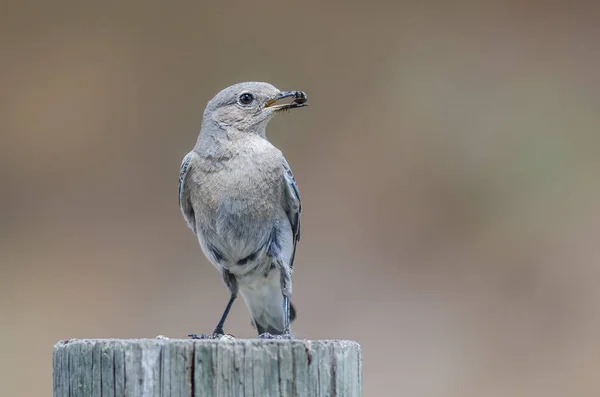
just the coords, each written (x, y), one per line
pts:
(448, 165)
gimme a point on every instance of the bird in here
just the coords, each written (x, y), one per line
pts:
(238, 195)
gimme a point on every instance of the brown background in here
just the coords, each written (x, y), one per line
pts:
(448, 166)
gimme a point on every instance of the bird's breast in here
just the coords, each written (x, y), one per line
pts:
(237, 206)
(250, 184)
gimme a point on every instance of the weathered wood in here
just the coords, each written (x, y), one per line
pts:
(207, 368)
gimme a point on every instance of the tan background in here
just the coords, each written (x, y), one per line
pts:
(448, 166)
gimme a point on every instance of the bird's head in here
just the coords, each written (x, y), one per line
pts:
(249, 106)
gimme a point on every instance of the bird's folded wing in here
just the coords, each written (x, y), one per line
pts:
(184, 192)
(293, 205)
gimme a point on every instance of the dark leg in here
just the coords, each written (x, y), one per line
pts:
(219, 329)
(231, 283)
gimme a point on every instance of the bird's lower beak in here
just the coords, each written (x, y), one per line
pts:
(298, 101)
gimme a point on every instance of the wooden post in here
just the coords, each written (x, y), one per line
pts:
(207, 368)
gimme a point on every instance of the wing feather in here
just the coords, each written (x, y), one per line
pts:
(293, 205)
(184, 193)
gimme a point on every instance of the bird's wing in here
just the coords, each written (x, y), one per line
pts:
(293, 205)
(184, 192)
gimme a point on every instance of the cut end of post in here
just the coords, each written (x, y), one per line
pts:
(186, 367)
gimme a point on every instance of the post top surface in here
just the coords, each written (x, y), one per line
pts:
(222, 340)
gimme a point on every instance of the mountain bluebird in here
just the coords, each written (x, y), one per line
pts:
(239, 197)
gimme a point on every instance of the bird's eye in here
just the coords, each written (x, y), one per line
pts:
(246, 98)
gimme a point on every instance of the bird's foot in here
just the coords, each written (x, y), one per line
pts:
(217, 334)
(266, 335)
(201, 336)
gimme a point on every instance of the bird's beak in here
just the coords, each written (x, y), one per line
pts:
(298, 101)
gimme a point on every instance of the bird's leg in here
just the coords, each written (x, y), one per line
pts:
(231, 283)
(286, 288)
(219, 329)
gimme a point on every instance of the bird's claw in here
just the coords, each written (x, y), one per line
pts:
(217, 334)
(201, 336)
(267, 335)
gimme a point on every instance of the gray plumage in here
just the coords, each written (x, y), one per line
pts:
(238, 195)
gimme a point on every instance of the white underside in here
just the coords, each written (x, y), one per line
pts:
(264, 299)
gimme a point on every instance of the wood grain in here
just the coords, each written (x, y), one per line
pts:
(207, 368)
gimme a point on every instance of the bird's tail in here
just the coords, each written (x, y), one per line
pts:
(265, 303)
(266, 327)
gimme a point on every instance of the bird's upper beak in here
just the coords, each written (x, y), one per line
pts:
(298, 101)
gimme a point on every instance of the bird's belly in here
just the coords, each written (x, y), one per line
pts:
(236, 242)
(236, 215)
